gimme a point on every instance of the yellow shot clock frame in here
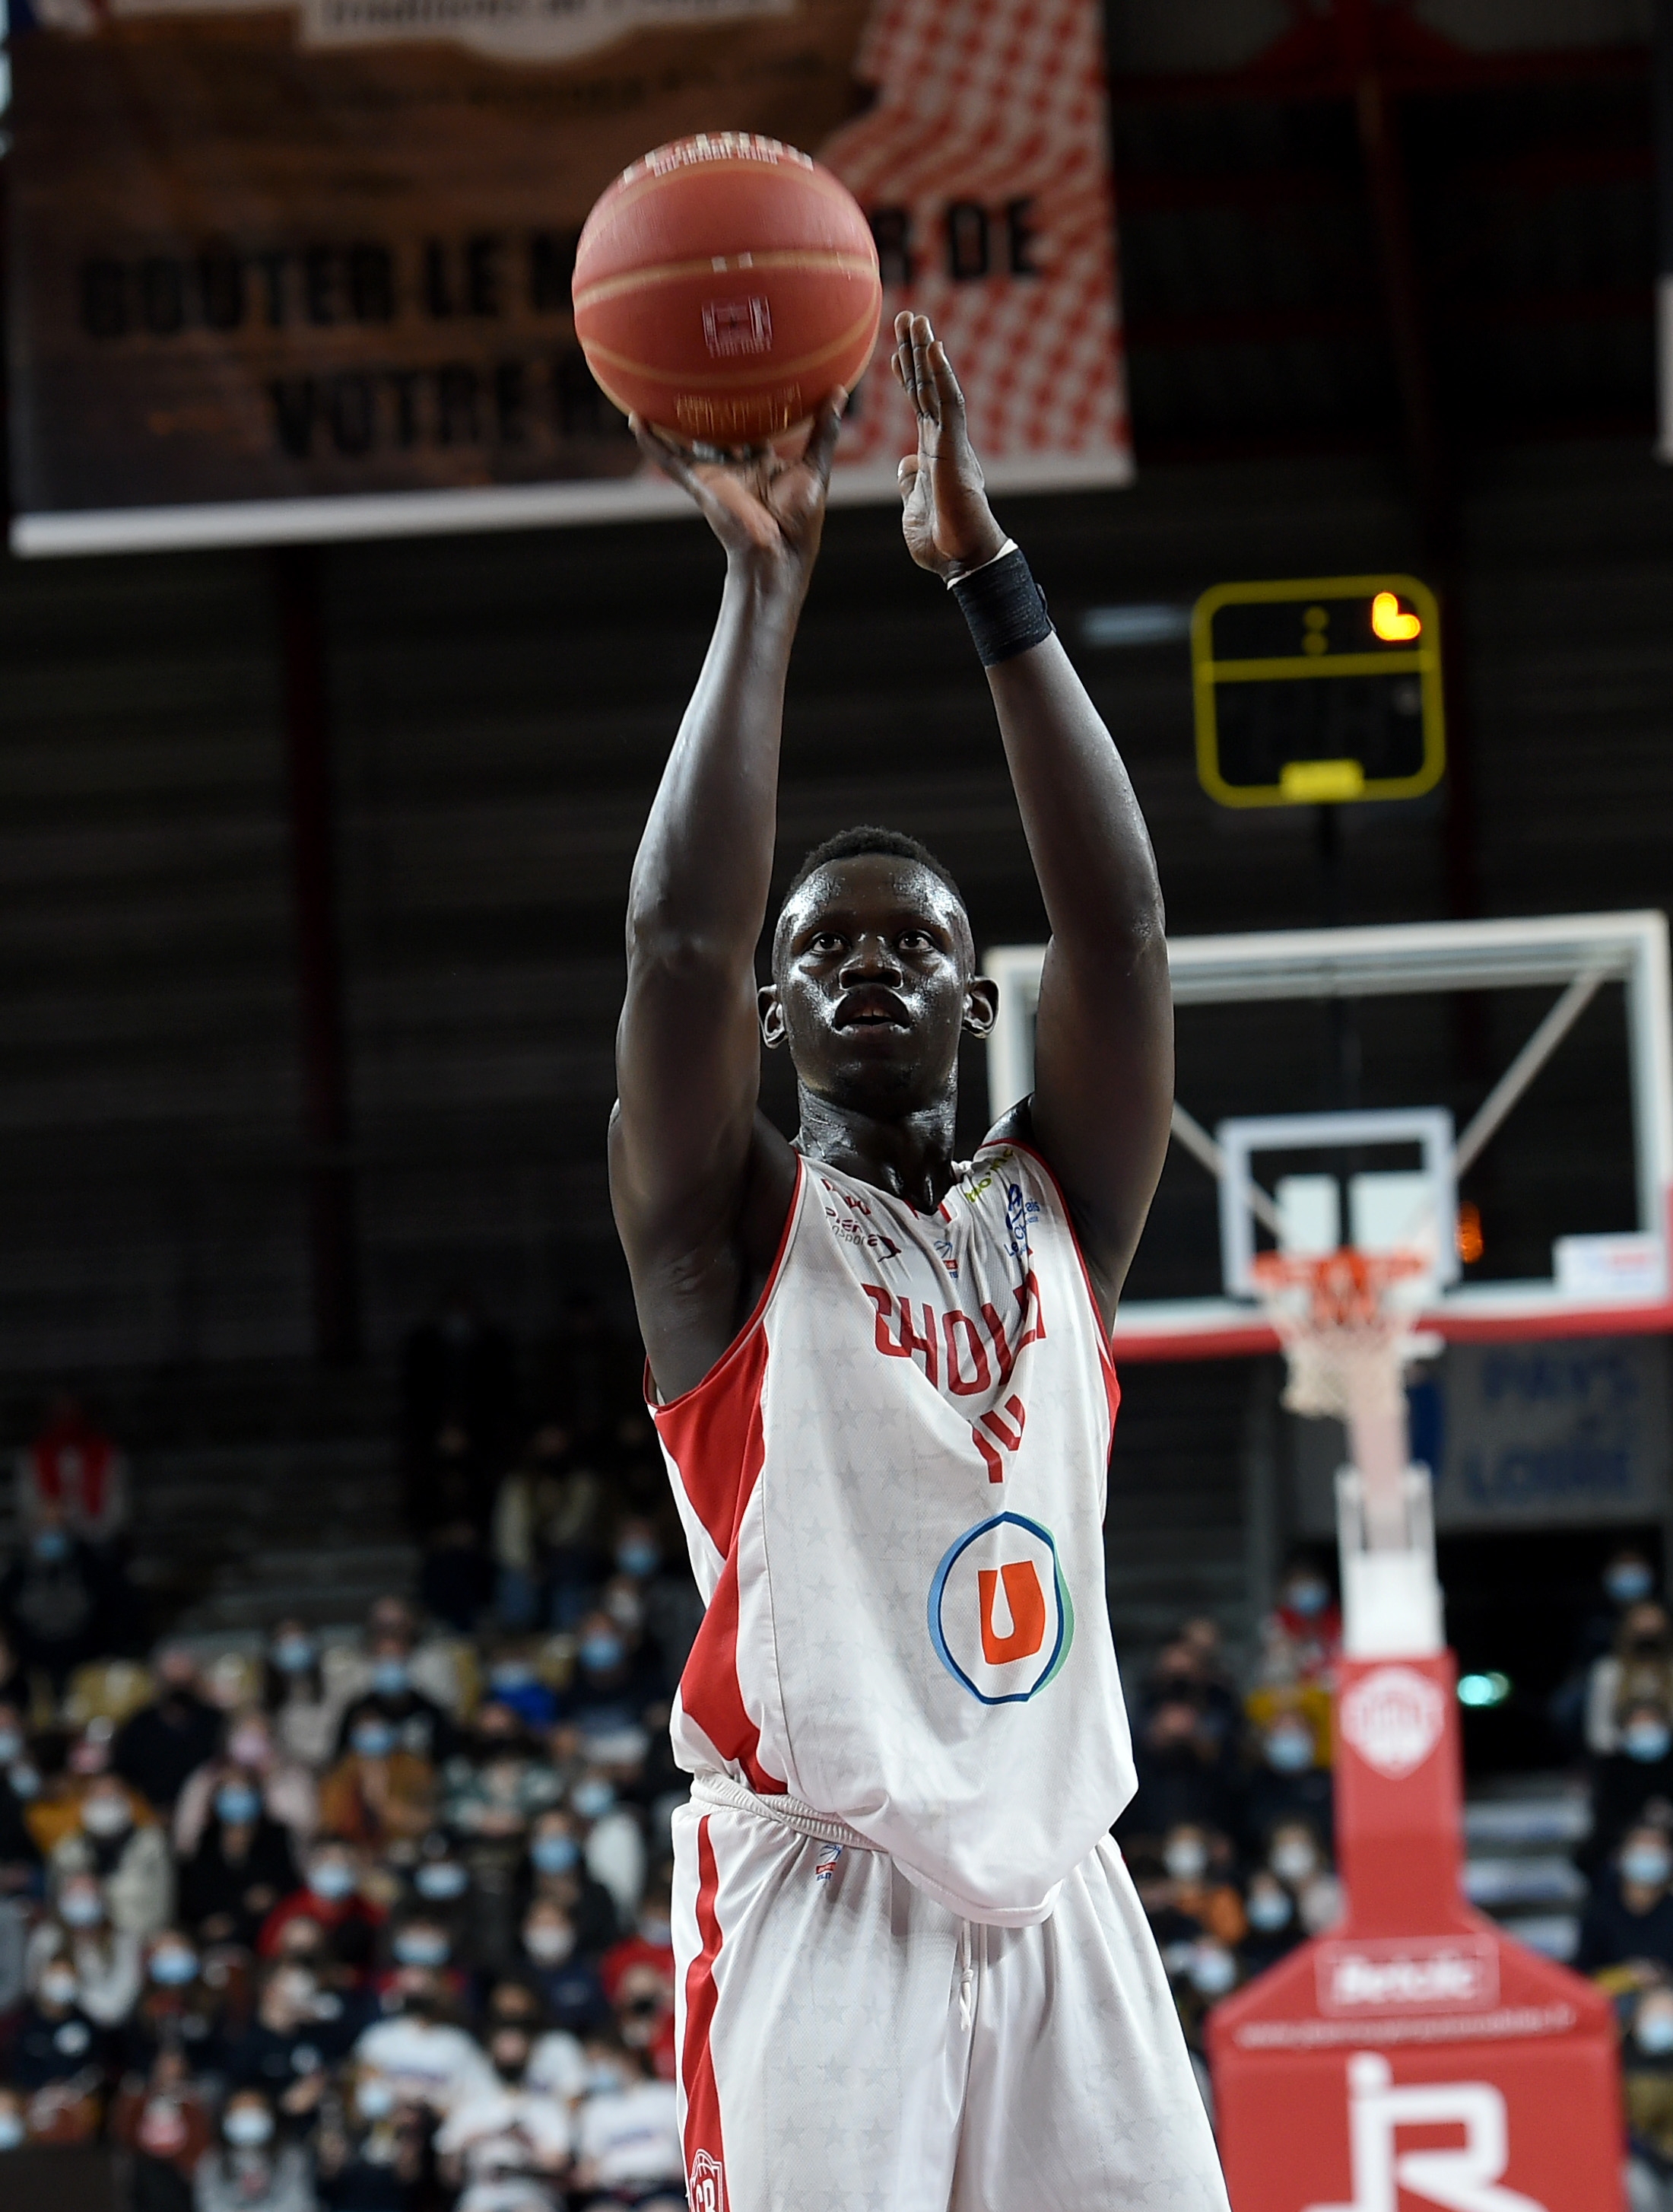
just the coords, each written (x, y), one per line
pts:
(1378, 731)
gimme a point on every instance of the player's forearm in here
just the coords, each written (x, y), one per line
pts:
(705, 863)
(1086, 834)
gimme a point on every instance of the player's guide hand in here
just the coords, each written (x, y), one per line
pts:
(948, 525)
(767, 511)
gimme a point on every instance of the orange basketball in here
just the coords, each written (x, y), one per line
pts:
(723, 285)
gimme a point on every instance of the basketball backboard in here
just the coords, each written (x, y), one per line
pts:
(1388, 1174)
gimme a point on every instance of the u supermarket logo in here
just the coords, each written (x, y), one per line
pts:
(1000, 1615)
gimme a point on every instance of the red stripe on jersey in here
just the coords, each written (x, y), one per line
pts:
(714, 1438)
(713, 1431)
(709, 1687)
(705, 2151)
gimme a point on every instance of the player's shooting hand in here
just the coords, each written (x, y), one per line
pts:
(766, 511)
(948, 525)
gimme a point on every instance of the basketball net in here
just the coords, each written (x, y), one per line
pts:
(1347, 1339)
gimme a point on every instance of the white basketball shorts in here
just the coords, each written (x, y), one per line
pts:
(848, 2044)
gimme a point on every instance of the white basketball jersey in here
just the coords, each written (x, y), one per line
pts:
(893, 1488)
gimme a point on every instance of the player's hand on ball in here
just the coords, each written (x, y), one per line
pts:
(948, 525)
(765, 510)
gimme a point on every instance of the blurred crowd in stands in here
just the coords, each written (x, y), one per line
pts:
(375, 1918)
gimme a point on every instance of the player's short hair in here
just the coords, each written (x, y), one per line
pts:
(867, 837)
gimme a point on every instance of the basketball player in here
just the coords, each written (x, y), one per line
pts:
(914, 1974)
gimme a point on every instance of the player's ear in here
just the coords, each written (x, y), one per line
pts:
(771, 1015)
(981, 1006)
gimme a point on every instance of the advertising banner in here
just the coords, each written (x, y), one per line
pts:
(302, 270)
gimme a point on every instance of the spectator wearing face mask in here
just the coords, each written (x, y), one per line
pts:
(514, 1681)
(627, 2139)
(1646, 2064)
(178, 2009)
(103, 1962)
(556, 2065)
(556, 1870)
(426, 2057)
(1295, 1857)
(566, 1977)
(72, 1475)
(20, 1784)
(615, 1678)
(297, 2030)
(243, 1864)
(1638, 1670)
(59, 2058)
(371, 2150)
(652, 1941)
(1290, 1781)
(378, 1793)
(60, 1604)
(251, 1753)
(1629, 1917)
(1184, 1774)
(440, 1885)
(1183, 1672)
(393, 1630)
(330, 1899)
(166, 1741)
(248, 2169)
(503, 1781)
(117, 1840)
(1199, 1897)
(420, 1944)
(1301, 1637)
(672, 1609)
(615, 1854)
(1274, 1925)
(417, 1722)
(1637, 1775)
(162, 2119)
(301, 1711)
(507, 2143)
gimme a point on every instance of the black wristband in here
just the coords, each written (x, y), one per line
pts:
(1004, 606)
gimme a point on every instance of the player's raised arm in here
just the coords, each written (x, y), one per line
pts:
(699, 1181)
(1104, 1040)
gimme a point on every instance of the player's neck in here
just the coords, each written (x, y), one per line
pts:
(912, 1158)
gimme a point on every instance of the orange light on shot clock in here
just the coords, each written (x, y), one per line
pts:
(1390, 623)
(1471, 1244)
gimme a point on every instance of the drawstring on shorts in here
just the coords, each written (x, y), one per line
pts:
(967, 1978)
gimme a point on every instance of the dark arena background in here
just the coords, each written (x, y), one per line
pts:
(320, 1383)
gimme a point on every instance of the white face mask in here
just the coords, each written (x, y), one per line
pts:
(550, 1944)
(1647, 1863)
(58, 1989)
(11, 2130)
(1213, 1970)
(81, 1909)
(1294, 1862)
(247, 2126)
(1653, 2031)
(107, 1816)
(1186, 1859)
(1269, 1910)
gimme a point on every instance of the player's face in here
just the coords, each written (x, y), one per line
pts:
(873, 985)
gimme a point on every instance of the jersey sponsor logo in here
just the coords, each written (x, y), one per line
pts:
(994, 1431)
(968, 1351)
(707, 2184)
(1001, 1619)
(1021, 1214)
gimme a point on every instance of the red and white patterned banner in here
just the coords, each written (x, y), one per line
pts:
(302, 271)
